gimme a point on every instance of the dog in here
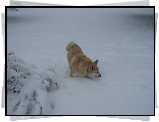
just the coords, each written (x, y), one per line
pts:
(79, 62)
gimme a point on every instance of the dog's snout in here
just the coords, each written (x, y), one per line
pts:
(99, 75)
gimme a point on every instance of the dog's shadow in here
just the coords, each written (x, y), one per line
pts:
(82, 78)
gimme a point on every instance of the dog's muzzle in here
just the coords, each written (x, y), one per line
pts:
(99, 75)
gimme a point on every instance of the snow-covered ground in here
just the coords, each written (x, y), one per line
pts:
(122, 39)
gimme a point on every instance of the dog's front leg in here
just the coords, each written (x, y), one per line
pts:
(86, 76)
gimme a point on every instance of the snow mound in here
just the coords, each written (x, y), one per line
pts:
(28, 88)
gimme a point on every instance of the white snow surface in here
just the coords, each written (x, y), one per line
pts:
(122, 39)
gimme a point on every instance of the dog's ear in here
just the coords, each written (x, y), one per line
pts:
(96, 62)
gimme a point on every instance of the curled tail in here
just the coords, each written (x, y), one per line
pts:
(70, 44)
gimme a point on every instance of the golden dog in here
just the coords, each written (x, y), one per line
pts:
(79, 62)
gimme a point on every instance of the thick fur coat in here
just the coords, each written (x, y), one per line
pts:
(79, 62)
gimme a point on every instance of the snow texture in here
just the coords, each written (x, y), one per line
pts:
(27, 88)
(38, 82)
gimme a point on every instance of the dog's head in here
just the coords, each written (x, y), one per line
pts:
(93, 70)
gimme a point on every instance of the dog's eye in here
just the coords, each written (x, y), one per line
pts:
(92, 67)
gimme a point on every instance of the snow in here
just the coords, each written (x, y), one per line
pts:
(121, 39)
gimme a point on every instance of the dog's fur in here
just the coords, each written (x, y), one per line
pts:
(79, 62)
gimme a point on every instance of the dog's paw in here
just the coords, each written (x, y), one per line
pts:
(86, 76)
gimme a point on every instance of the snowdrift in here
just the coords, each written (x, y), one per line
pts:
(28, 87)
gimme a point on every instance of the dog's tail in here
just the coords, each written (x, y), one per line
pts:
(71, 44)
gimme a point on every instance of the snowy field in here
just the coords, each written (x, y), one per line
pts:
(38, 82)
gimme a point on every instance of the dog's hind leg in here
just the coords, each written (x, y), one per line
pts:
(72, 62)
(72, 72)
